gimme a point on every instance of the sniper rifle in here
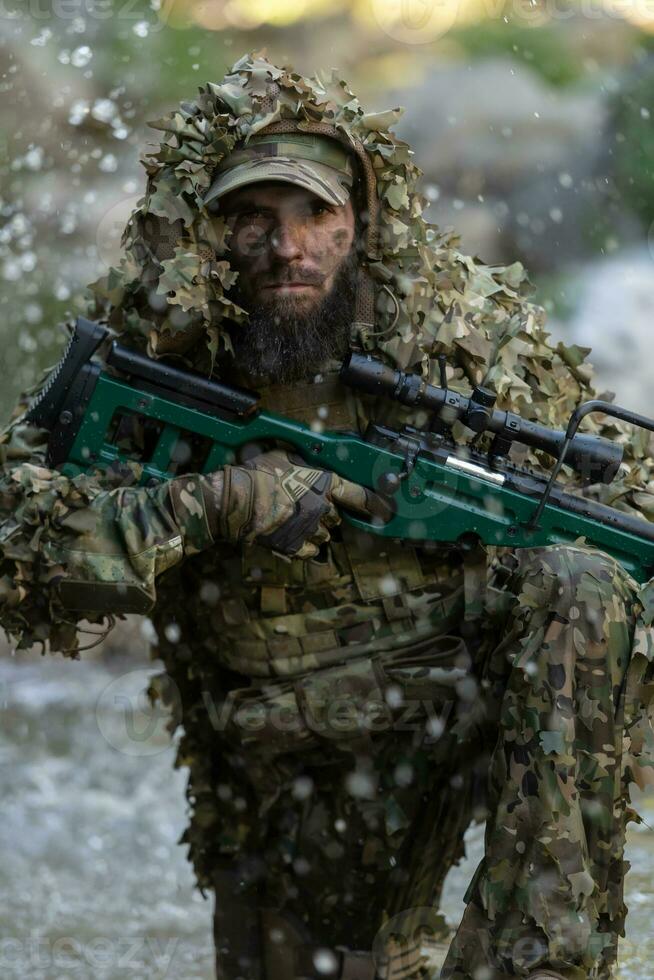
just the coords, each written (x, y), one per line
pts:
(438, 490)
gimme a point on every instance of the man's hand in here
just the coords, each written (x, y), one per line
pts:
(280, 502)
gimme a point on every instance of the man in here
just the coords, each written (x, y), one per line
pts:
(280, 227)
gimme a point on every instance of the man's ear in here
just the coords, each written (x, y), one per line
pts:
(361, 218)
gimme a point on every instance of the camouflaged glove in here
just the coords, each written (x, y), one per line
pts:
(280, 502)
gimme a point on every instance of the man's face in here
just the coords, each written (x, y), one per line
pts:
(287, 244)
(297, 264)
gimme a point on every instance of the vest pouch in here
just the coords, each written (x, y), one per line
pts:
(381, 573)
(349, 703)
(345, 703)
(341, 704)
(266, 718)
(431, 672)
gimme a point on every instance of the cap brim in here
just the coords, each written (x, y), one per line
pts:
(326, 182)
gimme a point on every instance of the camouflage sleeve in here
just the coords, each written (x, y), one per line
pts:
(83, 547)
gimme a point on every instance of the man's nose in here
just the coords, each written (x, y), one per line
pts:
(286, 240)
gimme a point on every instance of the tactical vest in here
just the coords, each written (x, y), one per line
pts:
(281, 618)
(302, 633)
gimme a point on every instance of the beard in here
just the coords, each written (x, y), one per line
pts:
(282, 343)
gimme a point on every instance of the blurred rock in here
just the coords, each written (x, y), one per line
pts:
(510, 159)
(480, 225)
(477, 111)
(613, 315)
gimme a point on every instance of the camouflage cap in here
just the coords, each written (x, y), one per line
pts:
(318, 163)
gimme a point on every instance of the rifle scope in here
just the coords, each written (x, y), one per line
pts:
(595, 458)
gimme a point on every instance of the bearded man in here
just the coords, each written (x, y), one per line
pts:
(280, 229)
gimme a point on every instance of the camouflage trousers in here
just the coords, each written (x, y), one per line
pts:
(357, 841)
(550, 887)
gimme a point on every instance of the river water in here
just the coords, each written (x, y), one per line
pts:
(92, 882)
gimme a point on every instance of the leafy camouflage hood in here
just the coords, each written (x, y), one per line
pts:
(418, 294)
(421, 296)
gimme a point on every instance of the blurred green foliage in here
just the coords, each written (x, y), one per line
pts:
(556, 292)
(548, 50)
(633, 150)
(143, 65)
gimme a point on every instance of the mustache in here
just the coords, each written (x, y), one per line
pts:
(286, 274)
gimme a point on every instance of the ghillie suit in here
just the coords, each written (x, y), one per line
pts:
(537, 713)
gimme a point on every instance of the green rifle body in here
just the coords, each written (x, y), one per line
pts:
(437, 491)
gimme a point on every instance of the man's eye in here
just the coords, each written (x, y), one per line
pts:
(255, 216)
(320, 208)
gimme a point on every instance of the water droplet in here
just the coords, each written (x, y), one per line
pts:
(209, 593)
(172, 633)
(108, 164)
(302, 787)
(104, 110)
(148, 632)
(41, 39)
(360, 784)
(403, 774)
(389, 585)
(81, 56)
(33, 313)
(325, 961)
(394, 696)
(78, 111)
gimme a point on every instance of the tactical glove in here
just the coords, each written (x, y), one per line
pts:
(280, 502)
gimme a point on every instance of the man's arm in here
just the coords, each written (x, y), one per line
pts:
(84, 547)
(72, 547)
